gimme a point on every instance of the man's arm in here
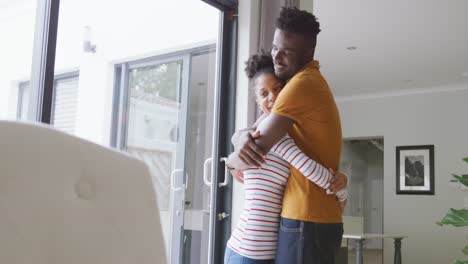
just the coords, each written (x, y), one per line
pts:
(273, 128)
(247, 153)
(259, 120)
(245, 137)
(250, 147)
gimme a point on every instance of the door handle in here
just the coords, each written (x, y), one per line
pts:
(173, 173)
(207, 172)
(226, 173)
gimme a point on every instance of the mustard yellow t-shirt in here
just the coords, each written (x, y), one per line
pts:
(308, 101)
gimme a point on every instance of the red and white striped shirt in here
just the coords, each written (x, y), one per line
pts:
(256, 235)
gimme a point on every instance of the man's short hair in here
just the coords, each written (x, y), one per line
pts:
(299, 21)
(259, 63)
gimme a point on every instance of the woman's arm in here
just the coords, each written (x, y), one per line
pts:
(312, 170)
(259, 120)
(236, 173)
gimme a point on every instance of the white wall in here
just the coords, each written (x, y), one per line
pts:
(307, 5)
(432, 117)
(248, 31)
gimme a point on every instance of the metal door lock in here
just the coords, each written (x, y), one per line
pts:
(222, 216)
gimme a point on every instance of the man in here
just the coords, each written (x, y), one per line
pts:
(311, 221)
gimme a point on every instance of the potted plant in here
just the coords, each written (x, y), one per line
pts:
(457, 218)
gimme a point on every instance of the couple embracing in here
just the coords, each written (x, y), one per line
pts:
(287, 160)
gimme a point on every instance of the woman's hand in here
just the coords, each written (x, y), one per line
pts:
(338, 181)
(238, 175)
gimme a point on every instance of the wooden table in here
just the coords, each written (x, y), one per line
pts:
(359, 238)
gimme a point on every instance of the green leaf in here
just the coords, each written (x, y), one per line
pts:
(455, 217)
(465, 250)
(466, 159)
(461, 262)
(461, 179)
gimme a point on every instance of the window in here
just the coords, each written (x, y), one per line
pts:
(64, 105)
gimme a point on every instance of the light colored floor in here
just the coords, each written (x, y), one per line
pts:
(370, 256)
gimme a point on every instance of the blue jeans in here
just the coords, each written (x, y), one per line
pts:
(231, 257)
(301, 242)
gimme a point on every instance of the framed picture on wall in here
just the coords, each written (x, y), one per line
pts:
(415, 169)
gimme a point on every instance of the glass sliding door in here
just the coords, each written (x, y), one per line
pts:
(169, 104)
(156, 133)
(201, 105)
(148, 84)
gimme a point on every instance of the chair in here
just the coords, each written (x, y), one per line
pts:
(64, 200)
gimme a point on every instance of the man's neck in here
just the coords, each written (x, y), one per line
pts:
(303, 66)
(300, 69)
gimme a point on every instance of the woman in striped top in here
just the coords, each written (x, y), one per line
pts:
(254, 240)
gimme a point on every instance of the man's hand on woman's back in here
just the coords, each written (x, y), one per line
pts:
(250, 148)
(248, 152)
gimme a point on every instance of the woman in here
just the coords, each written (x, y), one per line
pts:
(254, 240)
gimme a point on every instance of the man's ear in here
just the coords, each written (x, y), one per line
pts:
(309, 54)
(308, 48)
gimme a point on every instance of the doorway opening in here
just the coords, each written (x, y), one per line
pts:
(362, 160)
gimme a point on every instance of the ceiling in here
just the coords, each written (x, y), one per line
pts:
(400, 45)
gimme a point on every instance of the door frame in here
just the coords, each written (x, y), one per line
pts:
(225, 122)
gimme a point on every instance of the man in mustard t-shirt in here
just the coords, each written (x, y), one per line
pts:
(311, 220)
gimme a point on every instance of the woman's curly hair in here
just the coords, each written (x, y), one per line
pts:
(259, 63)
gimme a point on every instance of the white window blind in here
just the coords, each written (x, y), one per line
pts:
(65, 104)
